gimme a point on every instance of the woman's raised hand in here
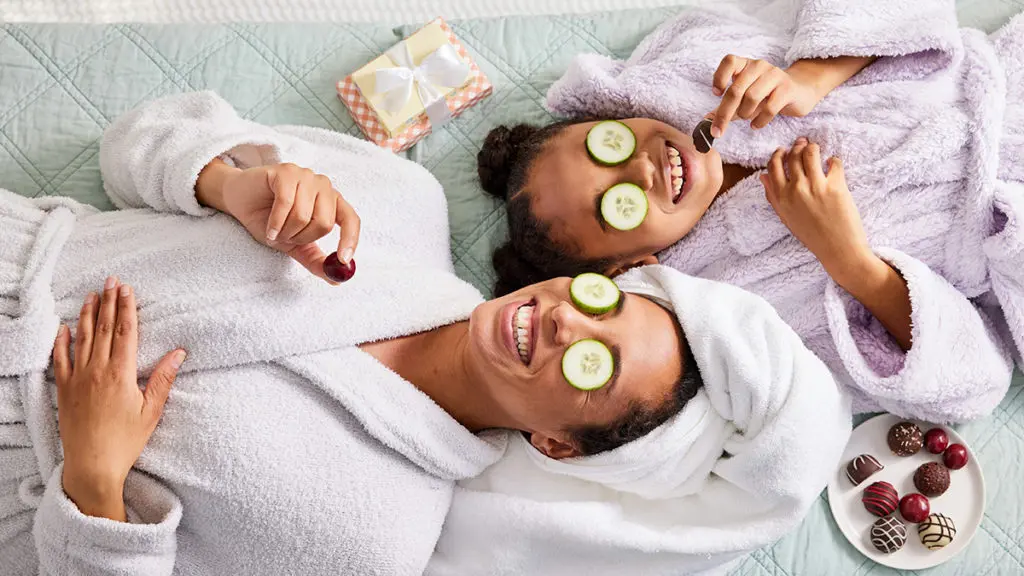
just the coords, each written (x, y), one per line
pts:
(105, 420)
(285, 207)
(818, 208)
(758, 91)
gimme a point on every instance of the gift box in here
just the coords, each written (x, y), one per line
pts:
(419, 84)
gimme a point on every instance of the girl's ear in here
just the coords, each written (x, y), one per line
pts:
(623, 268)
(552, 447)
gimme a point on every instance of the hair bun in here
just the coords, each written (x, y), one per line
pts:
(497, 157)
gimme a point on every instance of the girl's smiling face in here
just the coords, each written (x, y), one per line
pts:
(565, 186)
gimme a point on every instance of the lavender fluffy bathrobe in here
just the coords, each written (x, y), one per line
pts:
(932, 138)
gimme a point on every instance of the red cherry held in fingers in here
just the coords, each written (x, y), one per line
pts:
(338, 271)
(955, 457)
(936, 440)
(914, 508)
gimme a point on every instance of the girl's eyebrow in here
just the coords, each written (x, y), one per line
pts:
(597, 212)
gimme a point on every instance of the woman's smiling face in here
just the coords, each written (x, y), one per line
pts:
(643, 337)
(565, 186)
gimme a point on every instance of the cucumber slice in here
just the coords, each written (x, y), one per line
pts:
(611, 142)
(588, 364)
(624, 206)
(594, 293)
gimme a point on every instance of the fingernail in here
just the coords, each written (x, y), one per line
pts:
(716, 132)
(272, 234)
(111, 281)
(346, 255)
(125, 290)
(92, 298)
(716, 91)
(178, 359)
(61, 330)
(801, 140)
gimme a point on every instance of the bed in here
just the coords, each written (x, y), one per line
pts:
(61, 84)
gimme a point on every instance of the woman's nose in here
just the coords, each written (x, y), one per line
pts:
(570, 324)
(641, 170)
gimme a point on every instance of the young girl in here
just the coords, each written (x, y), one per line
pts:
(900, 264)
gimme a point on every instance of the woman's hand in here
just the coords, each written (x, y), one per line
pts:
(757, 91)
(104, 418)
(818, 208)
(285, 207)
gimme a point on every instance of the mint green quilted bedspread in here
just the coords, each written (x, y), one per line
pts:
(60, 85)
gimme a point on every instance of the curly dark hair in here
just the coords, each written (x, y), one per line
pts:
(639, 420)
(529, 256)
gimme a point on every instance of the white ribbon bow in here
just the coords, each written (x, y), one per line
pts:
(442, 67)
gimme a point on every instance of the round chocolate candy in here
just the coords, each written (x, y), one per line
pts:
(936, 531)
(861, 467)
(881, 499)
(955, 457)
(702, 138)
(914, 508)
(936, 440)
(337, 270)
(905, 439)
(932, 479)
(888, 534)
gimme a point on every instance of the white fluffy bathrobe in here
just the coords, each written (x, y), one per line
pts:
(932, 139)
(283, 449)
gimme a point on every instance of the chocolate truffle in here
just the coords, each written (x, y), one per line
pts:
(936, 531)
(932, 479)
(888, 534)
(905, 439)
(861, 467)
(702, 138)
(881, 499)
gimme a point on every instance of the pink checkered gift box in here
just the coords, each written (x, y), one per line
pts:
(412, 124)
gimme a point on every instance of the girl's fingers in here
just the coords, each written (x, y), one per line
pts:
(753, 100)
(106, 321)
(62, 356)
(347, 218)
(727, 69)
(734, 96)
(284, 190)
(322, 221)
(776, 172)
(126, 336)
(86, 330)
(776, 101)
(812, 166)
(795, 163)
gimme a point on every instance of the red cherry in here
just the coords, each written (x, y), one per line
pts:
(914, 508)
(955, 457)
(335, 270)
(936, 440)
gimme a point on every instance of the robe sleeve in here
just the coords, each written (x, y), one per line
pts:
(957, 367)
(70, 543)
(918, 38)
(152, 155)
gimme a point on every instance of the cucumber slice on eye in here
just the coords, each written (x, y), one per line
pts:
(610, 142)
(624, 206)
(587, 365)
(594, 293)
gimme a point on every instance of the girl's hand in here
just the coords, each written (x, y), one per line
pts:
(757, 91)
(285, 207)
(104, 418)
(818, 209)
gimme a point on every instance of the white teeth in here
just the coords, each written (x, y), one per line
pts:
(521, 331)
(672, 152)
(677, 172)
(675, 160)
(677, 183)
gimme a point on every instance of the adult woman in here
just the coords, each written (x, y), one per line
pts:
(915, 300)
(306, 415)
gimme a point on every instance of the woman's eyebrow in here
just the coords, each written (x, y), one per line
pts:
(619, 305)
(617, 363)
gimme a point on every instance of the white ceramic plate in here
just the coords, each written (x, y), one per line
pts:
(964, 502)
